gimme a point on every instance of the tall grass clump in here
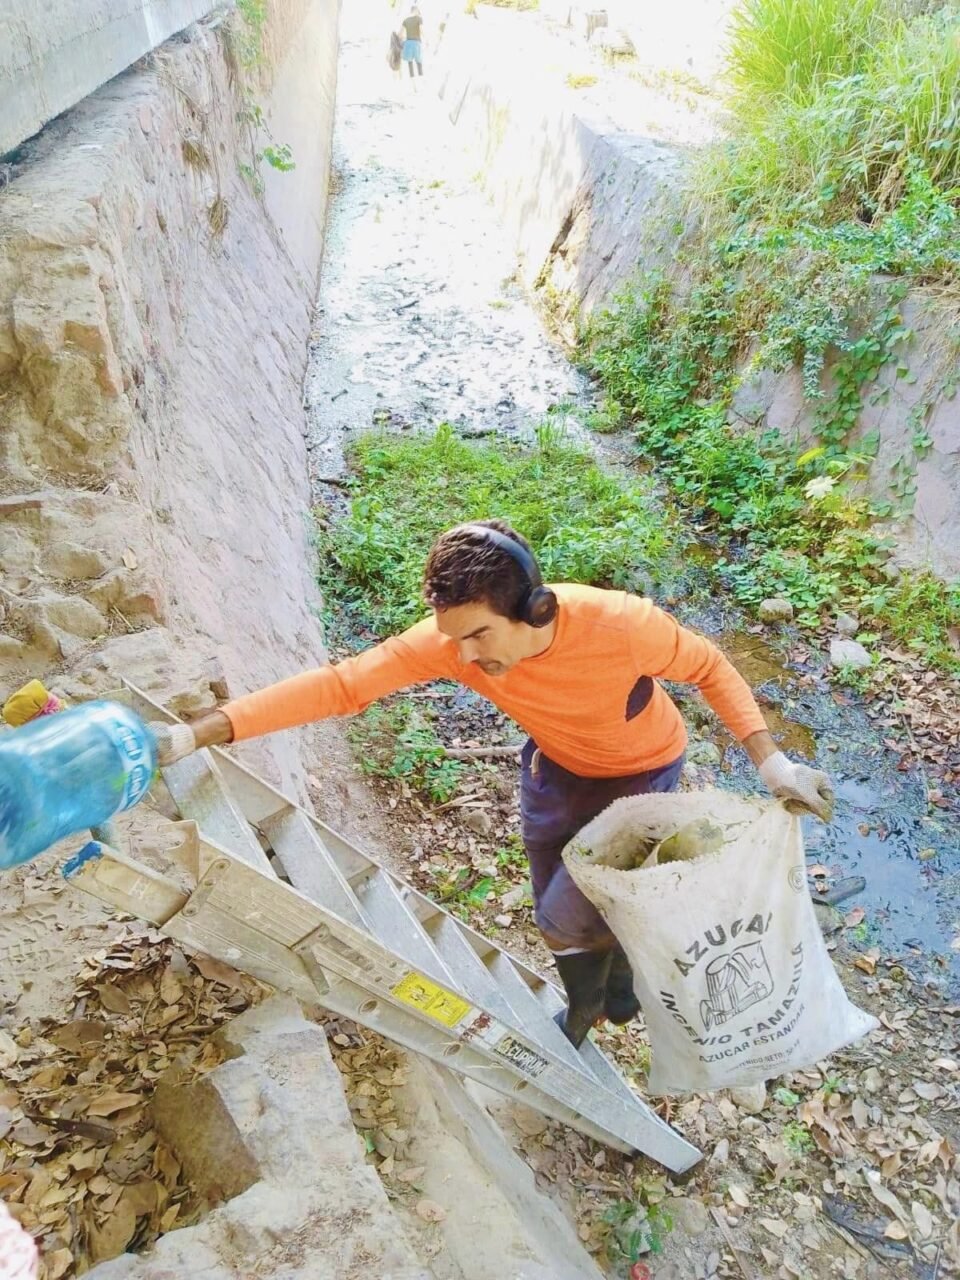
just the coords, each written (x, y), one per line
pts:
(829, 121)
(788, 49)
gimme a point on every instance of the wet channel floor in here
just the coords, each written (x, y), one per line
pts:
(420, 320)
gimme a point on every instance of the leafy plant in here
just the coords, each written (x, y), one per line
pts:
(796, 1138)
(396, 741)
(636, 1229)
(245, 43)
(786, 1097)
(583, 523)
(765, 293)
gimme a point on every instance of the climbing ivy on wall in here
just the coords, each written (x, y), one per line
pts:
(245, 33)
(811, 229)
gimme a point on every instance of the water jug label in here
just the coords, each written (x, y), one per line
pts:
(137, 770)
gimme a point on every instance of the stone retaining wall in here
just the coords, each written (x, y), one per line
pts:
(154, 317)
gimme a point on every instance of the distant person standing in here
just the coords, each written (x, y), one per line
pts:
(412, 46)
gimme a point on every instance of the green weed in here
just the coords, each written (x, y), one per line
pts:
(583, 523)
(797, 1139)
(671, 360)
(395, 740)
(635, 1229)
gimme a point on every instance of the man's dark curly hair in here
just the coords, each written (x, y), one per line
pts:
(464, 568)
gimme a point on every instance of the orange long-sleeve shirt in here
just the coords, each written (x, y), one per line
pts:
(591, 701)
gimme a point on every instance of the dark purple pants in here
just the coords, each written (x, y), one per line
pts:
(554, 805)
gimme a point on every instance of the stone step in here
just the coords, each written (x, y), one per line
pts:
(269, 1131)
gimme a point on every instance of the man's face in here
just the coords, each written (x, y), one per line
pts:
(493, 642)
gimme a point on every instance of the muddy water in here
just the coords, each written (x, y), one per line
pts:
(419, 321)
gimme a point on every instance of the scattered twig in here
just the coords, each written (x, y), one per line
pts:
(83, 1128)
(459, 802)
(480, 753)
(745, 1267)
(124, 619)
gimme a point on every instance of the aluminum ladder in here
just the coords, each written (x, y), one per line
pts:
(350, 935)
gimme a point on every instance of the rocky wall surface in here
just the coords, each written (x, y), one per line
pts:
(154, 316)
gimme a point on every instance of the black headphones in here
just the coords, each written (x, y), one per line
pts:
(537, 607)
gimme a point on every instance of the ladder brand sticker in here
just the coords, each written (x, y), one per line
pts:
(520, 1056)
(435, 1001)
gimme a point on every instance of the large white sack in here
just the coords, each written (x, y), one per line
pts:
(729, 962)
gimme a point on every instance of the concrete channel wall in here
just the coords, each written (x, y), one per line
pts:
(53, 55)
(587, 205)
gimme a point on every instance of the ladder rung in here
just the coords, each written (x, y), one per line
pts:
(199, 793)
(396, 926)
(261, 801)
(601, 1066)
(308, 863)
(534, 1019)
(461, 959)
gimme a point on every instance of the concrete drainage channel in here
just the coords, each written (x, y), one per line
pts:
(154, 479)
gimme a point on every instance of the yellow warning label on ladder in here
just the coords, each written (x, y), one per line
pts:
(433, 1000)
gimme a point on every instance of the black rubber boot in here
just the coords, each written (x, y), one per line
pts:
(621, 1005)
(584, 977)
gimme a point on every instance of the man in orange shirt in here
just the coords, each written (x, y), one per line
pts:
(578, 669)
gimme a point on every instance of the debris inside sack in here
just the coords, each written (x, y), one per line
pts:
(693, 840)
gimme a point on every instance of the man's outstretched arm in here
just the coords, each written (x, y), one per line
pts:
(664, 648)
(340, 690)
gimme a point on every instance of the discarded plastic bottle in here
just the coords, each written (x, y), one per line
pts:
(66, 773)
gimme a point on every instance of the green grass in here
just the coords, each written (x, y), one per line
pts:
(585, 524)
(788, 49)
(396, 741)
(836, 102)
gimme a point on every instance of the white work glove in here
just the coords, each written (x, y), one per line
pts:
(802, 789)
(174, 742)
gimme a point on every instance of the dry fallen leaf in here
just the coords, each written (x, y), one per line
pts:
(886, 1198)
(111, 1238)
(113, 998)
(738, 1195)
(129, 559)
(896, 1231)
(9, 1051)
(412, 1173)
(57, 1264)
(923, 1218)
(927, 1090)
(217, 971)
(170, 988)
(430, 1211)
(111, 1102)
(776, 1226)
(854, 917)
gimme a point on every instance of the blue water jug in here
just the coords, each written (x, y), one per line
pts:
(66, 773)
